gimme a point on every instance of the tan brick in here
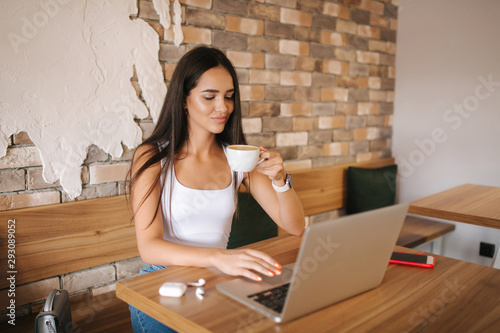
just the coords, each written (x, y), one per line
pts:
(192, 35)
(263, 11)
(304, 124)
(35, 291)
(393, 24)
(331, 122)
(258, 76)
(281, 62)
(377, 45)
(346, 108)
(391, 47)
(110, 288)
(205, 18)
(252, 93)
(336, 10)
(377, 96)
(12, 180)
(247, 59)
(252, 125)
(22, 138)
(295, 78)
(106, 173)
(367, 133)
(372, 6)
(262, 44)
(92, 192)
(147, 129)
(277, 124)
(264, 109)
(244, 25)
(368, 108)
(279, 93)
(347, 82)
(333, 38)
(16, 201)
(335, 149)
(335, 67)
(310, 151)
(345, 54)
(365, 157)
(368, 31)
(35, 180)
(374, 82)
(243, 75)
(349, 27)
(169, 71)
(297, 165)
(207, 4)
(390, 97)
(291, 139)
(296, 109)
(283, 3)
(308, 64)
(334, 94)
(147, 11)
(128, 268)
(267, 140)
(367, 57)
(296, 17)
(18, 157)
(307, 94)
(88, 278)
(379, 21)
(294, 47)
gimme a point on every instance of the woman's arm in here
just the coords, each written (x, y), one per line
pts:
(284, 208)
(156, 250)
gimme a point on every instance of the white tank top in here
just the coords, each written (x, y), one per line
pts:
(199, 217)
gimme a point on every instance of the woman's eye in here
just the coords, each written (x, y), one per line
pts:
(209, 98)
(230, 97)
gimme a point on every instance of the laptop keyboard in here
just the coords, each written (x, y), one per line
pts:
(273, 298)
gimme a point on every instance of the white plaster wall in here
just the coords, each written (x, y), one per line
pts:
(447, 105)
(65, 70)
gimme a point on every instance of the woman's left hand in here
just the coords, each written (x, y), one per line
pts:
(272, 166)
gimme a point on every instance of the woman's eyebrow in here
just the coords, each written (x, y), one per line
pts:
(216, 91)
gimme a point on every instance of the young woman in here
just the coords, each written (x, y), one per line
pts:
(182, 189)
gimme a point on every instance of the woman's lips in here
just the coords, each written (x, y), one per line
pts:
(220, 120)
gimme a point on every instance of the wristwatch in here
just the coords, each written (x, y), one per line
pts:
(286, 187)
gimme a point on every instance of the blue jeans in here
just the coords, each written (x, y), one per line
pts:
(141, 322)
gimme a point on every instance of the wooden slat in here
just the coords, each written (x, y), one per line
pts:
(417, 231)
(62, 238)
(324, 189)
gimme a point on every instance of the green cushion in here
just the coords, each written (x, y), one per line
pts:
(370, 188)
(251, 224)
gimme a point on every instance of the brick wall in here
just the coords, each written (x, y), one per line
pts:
(317, 84)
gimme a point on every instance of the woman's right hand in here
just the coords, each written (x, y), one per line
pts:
(247, 263)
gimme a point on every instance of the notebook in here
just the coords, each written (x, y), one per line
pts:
(337, 259)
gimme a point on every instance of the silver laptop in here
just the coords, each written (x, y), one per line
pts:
(337, 259)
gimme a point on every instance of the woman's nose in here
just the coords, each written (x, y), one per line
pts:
(221, 105)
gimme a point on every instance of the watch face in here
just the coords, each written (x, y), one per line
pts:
(289, 179)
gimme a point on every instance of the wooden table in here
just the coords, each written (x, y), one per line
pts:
(454, 296)
(468, 203)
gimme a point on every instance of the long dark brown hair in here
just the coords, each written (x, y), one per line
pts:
(171, 131)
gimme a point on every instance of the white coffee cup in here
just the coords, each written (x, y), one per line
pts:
(242, 158)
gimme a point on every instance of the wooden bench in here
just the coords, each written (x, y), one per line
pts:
(325, 189)
(58, 239)
(55, 240)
